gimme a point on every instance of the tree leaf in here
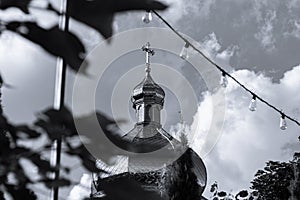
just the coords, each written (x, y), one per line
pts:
(2, 82)
(63, 117)
(50, 183)
(99, 14)
(1, 195)
(243, 193)
(222, 194)
(20, 192)
(121, 5)
(87, 160)
(57, 123)
(54, 131)
(44, 166)
(30, 133)
(21, 4)
(55, 41)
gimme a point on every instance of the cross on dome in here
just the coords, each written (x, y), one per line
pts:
(149, 52)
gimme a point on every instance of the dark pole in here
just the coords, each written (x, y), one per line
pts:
(59, 97)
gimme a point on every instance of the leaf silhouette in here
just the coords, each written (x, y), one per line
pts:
(87, 160)
(98, 140)
(54, 40)
(54, 131)
(50, 183)
(44, 166)
(4, 144)
(57, 123)
(63, 117)
(1, 195)
(22, 5)
(3, 83)
(10, 130)
(20, 192)
(243, 194)
(121, 5)
(21, 176)
(222, 194)
(30, 133)
(99, 14)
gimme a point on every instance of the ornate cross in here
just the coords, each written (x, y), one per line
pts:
(149, 52)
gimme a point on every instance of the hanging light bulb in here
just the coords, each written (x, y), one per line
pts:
(147, 18)
(184, 54)
(283, 124)
(252, 105)
(224, 81)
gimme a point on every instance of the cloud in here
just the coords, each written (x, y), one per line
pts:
(206, 7)
(211, 44)
(211, 47)
(81, 190)
(180, 8)
(265, 34)
(293, 4)
(294, 28)
(249, 139)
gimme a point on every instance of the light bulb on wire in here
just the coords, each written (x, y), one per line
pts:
(252, 105)
(184, 54)
(283, 124)
(224, 81)
(147, 18)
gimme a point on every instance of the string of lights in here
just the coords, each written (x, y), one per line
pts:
(184, 54)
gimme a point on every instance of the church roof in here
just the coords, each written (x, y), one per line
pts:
(149, 179)
(148, 138)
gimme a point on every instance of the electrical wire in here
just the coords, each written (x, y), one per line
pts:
(225, 72)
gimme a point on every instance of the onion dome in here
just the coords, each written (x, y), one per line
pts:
(148, 92)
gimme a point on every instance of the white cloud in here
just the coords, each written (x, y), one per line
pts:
(205, 7)
(211, 44)
(212, 48)
(178, 8)
(293, 4)
(249, 139)
(258, 6)
(294, 29)
(81, 190)
(265, 34)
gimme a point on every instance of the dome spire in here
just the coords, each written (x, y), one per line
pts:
(147, 93)
(149, 52)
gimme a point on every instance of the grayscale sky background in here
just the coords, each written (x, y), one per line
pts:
(258, 41)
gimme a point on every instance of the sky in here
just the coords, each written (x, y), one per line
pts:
(257, 41)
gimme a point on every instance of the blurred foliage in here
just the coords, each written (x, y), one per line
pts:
(96, 14)
(53, 123)
(57, 42)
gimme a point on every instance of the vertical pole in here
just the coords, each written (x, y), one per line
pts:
(59, 97)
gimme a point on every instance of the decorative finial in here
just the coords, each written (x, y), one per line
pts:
(149, 52)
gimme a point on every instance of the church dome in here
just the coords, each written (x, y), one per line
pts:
(148, 92)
